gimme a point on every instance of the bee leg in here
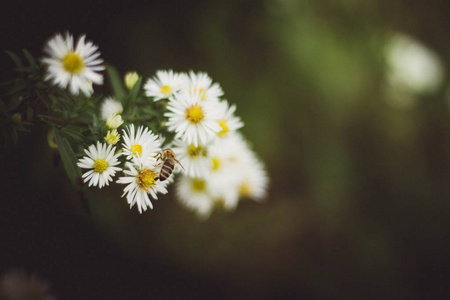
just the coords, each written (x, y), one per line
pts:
(156, 178)
(158, 157)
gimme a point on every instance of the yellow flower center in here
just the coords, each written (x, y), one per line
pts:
(224, 126)
(195, 152)
(216, 163)
(194, 114)
(198, 184)
(136, 149)
(244, 189)
(73, 63)
(145, 179)
(100, 165)
(166, 90)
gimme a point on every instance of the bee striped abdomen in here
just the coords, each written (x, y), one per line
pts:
(166, 170)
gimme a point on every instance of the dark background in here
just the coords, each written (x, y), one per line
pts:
(358, 205)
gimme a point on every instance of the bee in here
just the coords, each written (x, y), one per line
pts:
(168, 164)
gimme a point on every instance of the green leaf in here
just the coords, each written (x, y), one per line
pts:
(14, 135)
(116, 83)
(67, 156)
(30, 58)
(52, 97)
(96, 128)
(30, 113)
(15, 58)
(15, 102)
(17, 88)
(132, 97)
(77, 136)
(95, 123)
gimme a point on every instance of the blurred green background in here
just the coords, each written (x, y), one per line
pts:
(359, 198)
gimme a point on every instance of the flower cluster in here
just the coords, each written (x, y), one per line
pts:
(219, 167)
(142, 135)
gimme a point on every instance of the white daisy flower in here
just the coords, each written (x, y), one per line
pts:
(413, 66)
(194, 194)
(253, 179)
(71, 66)
(194, 159)
(238, 151)
(110, 107)
(142, 141)
(193, 120)
(102, 161)
(164, 84)
(201, 82)
(141, 183)
(227, 121)
(224, 176)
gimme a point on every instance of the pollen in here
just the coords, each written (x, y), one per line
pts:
(145, 179)
(224, 126)
(198, 184)
(194, 114)
(73, 63)
(198, 151)
(136, 149)
(100, 165)
(166, 90)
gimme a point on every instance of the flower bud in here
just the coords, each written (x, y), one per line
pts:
(112, 137)
(130, 79)
(114, 121)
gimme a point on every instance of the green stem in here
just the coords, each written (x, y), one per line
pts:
(61, 121)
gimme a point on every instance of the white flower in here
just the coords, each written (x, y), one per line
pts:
(254, 182)
(110, 107)
(102, 161)
(114, 121)
(253, 179)
(71, 66)
(227, 120)
(141, 183)
(413, 66)
(236, 172)
(112, 137)
(194, 159)
(140, 142)
(194, 194)
(225, 173)
(201, 82)
(164, 84)
(193, 120)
